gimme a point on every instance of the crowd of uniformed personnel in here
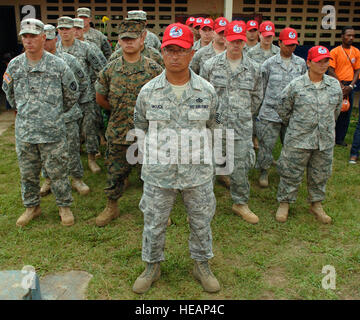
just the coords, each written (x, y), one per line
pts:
(209, 74)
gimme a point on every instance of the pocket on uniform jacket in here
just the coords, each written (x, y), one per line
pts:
(157, 114)
(199, 115)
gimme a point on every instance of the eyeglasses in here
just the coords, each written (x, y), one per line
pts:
(179, 52)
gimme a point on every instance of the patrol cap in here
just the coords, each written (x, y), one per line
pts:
(208, 22)
(318, 53)
(131, 29)
(65, 22)
(267, 28)
(178, 34)
(252, 24)
(235, 30)
(190, 21)
(136, 15)
(50, 31)
(220, 24)
(78, 22)
(288, 36)
(198, 22)
(83, 12)
(33, 26)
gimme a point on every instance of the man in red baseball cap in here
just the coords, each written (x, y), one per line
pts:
(309, 107)
(252, 34)
(195, 29)
(216, 46)
(176, 100)
(237, 81)
(277, 72)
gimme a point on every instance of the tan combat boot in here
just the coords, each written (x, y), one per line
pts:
(110, 212)
(80, 186)
(243, 211)
(264, 179)
(202, 272)
(45, 188)
(282, 212)
(67, 218)
(225, 180)
(28, 215)
(147, 278)
(93, 166)
(317, 209)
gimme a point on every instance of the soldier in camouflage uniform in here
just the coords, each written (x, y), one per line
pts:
(71, 118)
(177, 100)
(207, 34)
(41, 88)
(116, 90)
(196, 27)
(238, 84)
(252, 35)
(277, 72)
(213, 48)
(309, 107)
(94, 35)
(91, 64)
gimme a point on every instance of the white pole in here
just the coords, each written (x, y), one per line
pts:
(228, 9)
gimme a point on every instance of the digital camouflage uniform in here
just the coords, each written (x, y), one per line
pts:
(240, 94)
(197, 45)
(148, 52)
(157, 105)
(100, 40)
(202, 55)
(276, 75)
(41, 95)
(309, 114)
(259, 55)
(246, 48)
(121, 82)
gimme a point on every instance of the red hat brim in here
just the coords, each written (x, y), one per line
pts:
(267, 33)
(289, 41)
(236, 37)
(178, 42)
(323, 56)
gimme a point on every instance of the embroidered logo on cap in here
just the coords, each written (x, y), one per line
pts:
(268, 28)
(237, 29)
(253, 24)
(206, 21)
(322, 50)
(292, 35)
(175, 32)
(222, 23)
(192, 19)
(198, 20)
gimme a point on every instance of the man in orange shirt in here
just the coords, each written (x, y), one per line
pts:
(345, 66)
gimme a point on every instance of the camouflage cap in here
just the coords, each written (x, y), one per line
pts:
(83, 12)
(136, 15)
(65, 22)
(78, 22)
(50, 32)
(33, 26)
(131, 29)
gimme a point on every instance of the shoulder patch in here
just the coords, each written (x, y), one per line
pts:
(7, 78)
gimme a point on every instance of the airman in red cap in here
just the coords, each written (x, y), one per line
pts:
(252, 34)
(195, 29)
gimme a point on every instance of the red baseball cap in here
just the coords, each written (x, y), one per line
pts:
(289, 36)
(208, 22)
(220, 24)
(235, 30)
(190, 21)
(267, 28)
(198, 22)
(252, 24)
(178, 34)
(318, 53)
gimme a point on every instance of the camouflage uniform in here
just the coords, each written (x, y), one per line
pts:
(101, 41)
(259, 55)
(276, 75)
(247, 48)
(197, 45)
(121, 82)
(309, 114)
(240, 94)
(157, 105)
(202, 55)
(148, 52)
(152, 40)
(41, 95)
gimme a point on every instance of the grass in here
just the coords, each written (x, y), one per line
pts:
(265, 261)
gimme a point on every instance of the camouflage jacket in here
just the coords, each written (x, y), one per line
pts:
(203, 54)
(240, 93)
(247, 48)
(148, 52)
(157, 108)
(259, 55)
(310, 112)
(197, 45)
(41, 96)
(276, 75)
(121, 83)
(100, 40)
(152, 40)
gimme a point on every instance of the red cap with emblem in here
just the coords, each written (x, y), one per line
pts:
(178, 34)
(236, 30)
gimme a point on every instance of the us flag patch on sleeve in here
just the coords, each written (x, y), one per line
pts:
(7, 78)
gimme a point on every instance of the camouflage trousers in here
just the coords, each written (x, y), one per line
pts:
(244, 160)
(75, 166)
(89, 126)
(156, 204)
(118, 169)
(267, 133)
(291, 166)
(54, 158)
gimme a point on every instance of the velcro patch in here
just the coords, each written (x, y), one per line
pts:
(7, 78)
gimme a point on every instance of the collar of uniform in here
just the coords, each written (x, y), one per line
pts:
(245, 61)
(41, 65)
(120, 65)
(326, 81)
(162, 82)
